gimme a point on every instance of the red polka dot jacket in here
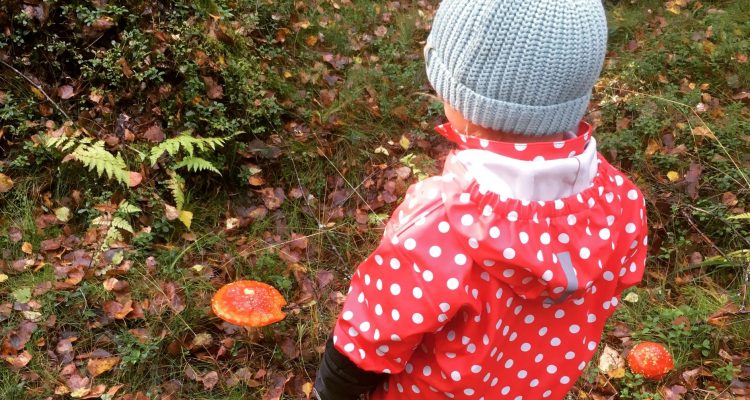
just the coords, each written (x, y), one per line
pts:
(494, 280)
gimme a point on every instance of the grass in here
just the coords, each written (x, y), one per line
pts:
(661, 66)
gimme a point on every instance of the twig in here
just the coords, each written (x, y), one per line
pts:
(690, 221)
(39, 88)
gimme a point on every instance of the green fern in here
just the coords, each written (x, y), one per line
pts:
(93, 156)
(176, 185)
(196, 164)
(186, 143)
(117, 223)
(126, 208)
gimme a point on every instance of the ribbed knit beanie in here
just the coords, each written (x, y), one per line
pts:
(522, 66)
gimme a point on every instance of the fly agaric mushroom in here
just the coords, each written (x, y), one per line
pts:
(250, 304)
(652, 360)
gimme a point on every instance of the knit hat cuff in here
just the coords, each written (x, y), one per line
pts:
(501, 115)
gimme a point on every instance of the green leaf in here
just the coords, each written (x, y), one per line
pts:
(118, 258)
(62, 214)
(22, 295)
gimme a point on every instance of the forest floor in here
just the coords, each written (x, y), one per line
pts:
(120, 217)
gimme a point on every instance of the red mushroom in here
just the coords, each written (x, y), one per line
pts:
(250, 304)
(652, 360)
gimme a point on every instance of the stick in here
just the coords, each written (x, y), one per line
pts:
(39, 88)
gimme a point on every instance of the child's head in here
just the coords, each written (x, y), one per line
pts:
(517, 66)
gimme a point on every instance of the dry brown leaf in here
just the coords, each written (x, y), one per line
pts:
(210, 380)
(17, 361)
(171, 212)
(15, 234)
(98, 366)
(135, 179)
(27, 248)
(272, 197)
(276, 389)
(729, 199)
(214, 90)
(65, 92)
(154, 134)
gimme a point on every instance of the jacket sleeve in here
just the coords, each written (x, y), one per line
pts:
(633, 264)
(411, 285)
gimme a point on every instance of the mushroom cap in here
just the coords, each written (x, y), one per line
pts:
(248, 303)
(652, 360)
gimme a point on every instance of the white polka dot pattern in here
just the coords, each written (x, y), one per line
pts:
(477, 296)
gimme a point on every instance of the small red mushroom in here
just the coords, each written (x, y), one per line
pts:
(250, 304)
(652, 360)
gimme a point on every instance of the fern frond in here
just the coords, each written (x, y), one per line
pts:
(97, 158)
(740, 216)
(127, 208)
(112, 235)
(58, 142)
(197, 164)
(186, 143)
(176, 185)
(121, 223)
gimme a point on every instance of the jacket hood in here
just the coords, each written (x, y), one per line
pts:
(549, 228)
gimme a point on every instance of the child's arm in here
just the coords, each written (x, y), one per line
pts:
(411, 285)
(340, 379)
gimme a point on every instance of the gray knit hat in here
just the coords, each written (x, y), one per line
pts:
(523, 66)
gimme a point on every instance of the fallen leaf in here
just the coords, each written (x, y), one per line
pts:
(171, 213)
(276, 389)
(22, 295)
(154, 134)
(210, 380)
(118, 310)
(692, 177)
(103, 23)
(673, 176)
(186, 217)
(381, 31)
(125, 67)
(51, 244)
(214, 90)
(62, 214)
(3, 278)
(703, 131)
(135, 179)
(18, 361)
(27, 248)
(673, 392)
(307, 389)
(324, 278)
(98, 366)
(610, 362)
(272, 197)
(631, 297)
(404, 142)
(65, 92)
(729, 199)
(15, 234)
(201, 340)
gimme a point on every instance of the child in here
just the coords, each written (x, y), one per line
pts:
(495, 279)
